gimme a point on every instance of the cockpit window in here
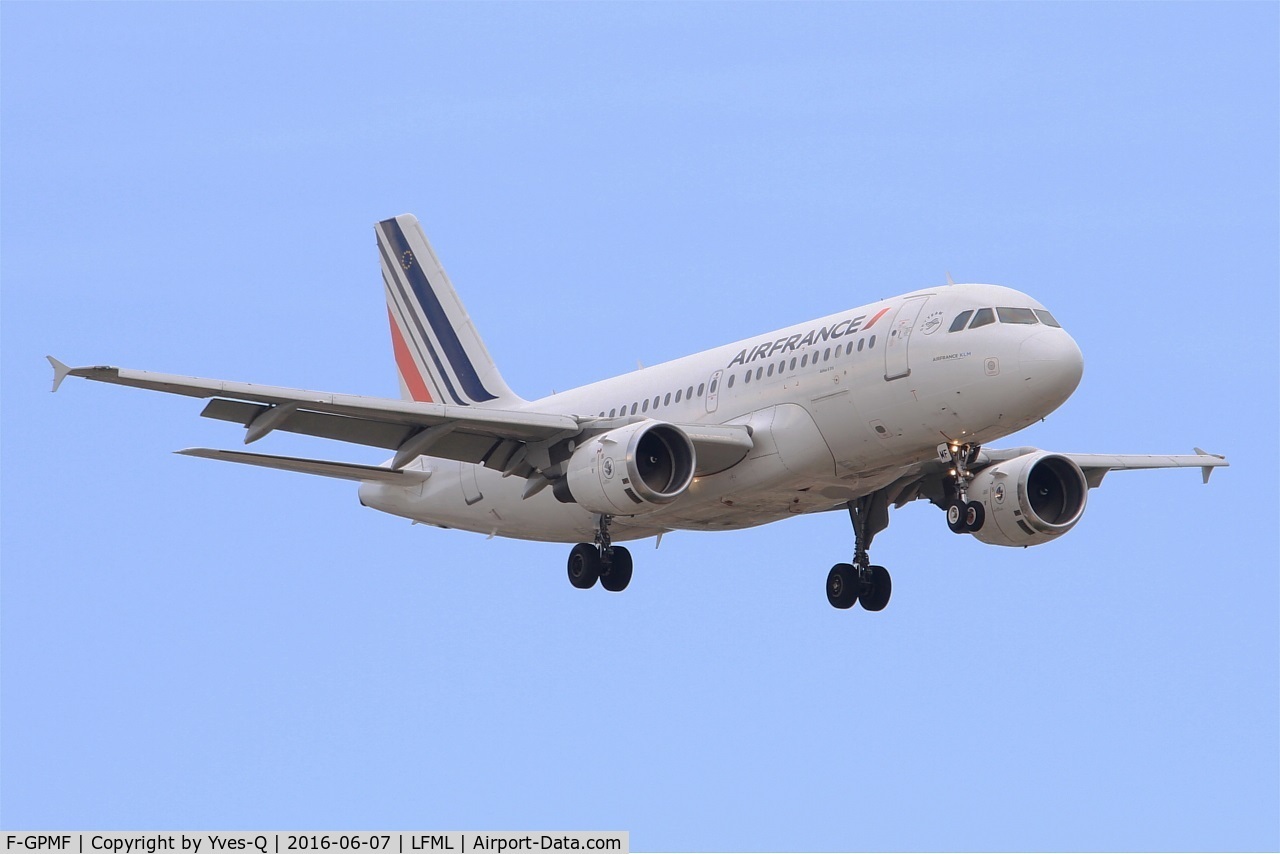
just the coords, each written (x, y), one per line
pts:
(1016, 315)
(961, 319)
(982, 317)
(1047, 319)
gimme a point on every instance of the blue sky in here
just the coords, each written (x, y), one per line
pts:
(191, 188)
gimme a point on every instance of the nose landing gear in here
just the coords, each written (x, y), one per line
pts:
(963, 516)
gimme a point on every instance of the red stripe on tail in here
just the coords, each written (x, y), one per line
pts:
(404, 361)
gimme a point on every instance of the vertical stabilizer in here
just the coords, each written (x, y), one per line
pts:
(439, 354)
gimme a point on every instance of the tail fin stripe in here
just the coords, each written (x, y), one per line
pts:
(408, 268)
(408, 368)
(404, 307)
(399, 296)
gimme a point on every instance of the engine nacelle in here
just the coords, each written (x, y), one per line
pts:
(1029, 500)
(631, 470)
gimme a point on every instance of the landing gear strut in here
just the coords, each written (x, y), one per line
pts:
(860, 581)
(600, 560)
(963, 516)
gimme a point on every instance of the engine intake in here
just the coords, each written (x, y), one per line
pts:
(1030, 500)
(631, 470)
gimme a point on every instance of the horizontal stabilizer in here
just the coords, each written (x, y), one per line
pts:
(324, 468)
(60, 371)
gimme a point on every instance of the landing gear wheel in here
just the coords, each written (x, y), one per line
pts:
(881, 588)
(584, 565)
(956, 512)
(974, 515)
(842, 586)
(616, 574)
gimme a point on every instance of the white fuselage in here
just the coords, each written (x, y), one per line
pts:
(838, 407)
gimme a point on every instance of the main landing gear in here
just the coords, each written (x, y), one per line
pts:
(600, 560)
(963, 516)
(860, 581)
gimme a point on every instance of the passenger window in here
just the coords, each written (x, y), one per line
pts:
(701, 388)
(1016, 315)
(689, 393)
(759, 373)
(871, 343)
(982, 317)
(613, 412)
(645, 406)
(746, 378)
(730, 384)
(793, 363)
(679, 392)
(848, 348)
(633, 408)
(804, 360)
(1047, 319)
(715, 384)
(656, 398)
(861, 341)
(826, 356)
(666, 401)
(961, 319)
(771, 370)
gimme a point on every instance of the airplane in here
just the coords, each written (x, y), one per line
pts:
(857, 411)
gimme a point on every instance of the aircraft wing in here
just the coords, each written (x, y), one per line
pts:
(928, 479)
(502, 439)
(1096, 466)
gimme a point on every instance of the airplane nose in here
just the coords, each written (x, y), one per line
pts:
(1054, 359)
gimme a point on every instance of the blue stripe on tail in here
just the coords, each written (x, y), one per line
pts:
(455, 354)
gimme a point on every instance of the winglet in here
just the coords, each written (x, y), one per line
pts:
(1205, 471)
(60, 372)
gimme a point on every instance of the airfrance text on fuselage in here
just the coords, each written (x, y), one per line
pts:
(839, 329)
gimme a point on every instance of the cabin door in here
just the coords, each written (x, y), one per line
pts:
(896, 365)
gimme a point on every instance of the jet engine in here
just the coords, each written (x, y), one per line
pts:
(1029, 500)
(631, 470)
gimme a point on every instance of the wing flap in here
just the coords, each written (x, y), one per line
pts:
(344, 428)
(461, 444)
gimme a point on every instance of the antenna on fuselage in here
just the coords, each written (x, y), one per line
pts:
(950, 281)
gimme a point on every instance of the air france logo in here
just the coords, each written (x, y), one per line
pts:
(799, 341)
